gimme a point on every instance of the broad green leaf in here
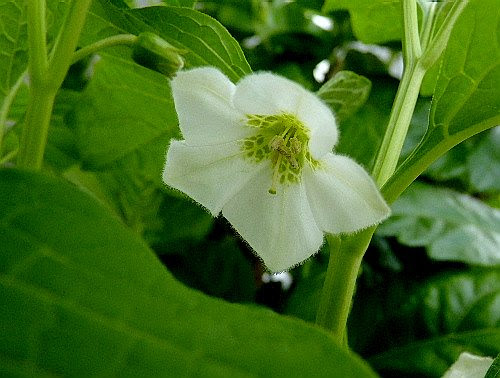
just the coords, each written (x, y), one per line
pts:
(148, 3)
(467, 91)
(442, 9)
(427, 325)
(217, 268)
(205, 40)
(160, 217)
(373, 21)
(123, 124)
(82, 296)
(474, 163)
(411, 323)
(483, 163)
(345, 93)
(468, 86)
(450, 225)
(431, 358)
(126, 113)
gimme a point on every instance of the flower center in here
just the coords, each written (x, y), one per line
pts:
(282, 139)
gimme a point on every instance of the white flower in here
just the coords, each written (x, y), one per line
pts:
(260, 152)
(469, 366)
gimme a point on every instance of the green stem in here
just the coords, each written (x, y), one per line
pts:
(428, 24)
(411, 39)
(66, 42)
(440, 39)
(399, 121)
(11, 155)
(36, 40)
(45, 83)
(7, 103)
(340, 282)
(34, 135)
(419, 161)
(116, 40)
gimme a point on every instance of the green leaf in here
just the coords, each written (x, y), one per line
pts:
(345, 93)
(468, 86)
(14, 38)
(126, 113)
(420, 325)
(494, 370)
(431, 358)
(148, 3)
(426, 325)
(61, 151)
(467, 163)
(485, 158)
(123, 124)
(452, 226)
(217, 268)
(81, 296)
(205, 40)
(373, 21)
(467, 91)
(13, 43)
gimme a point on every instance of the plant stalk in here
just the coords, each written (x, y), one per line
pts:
(36, 40)
(411, 41)
(340, 283)
(399, 122)
(44, 83)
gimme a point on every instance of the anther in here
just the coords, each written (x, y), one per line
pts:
(295, 146)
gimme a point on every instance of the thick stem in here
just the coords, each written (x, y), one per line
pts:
(411, 39)
(34, 135)
(399, 121)
(36, 40)
(46, 82)
(340, 282)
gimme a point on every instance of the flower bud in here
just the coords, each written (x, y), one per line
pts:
(155, 53)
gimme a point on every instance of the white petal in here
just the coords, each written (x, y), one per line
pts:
(203, 100)
(469, 365)
(211, 175)
(280, 227)
(342, 196)
(266, 93)
(320, 120)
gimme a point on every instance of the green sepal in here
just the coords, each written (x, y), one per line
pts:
(155, 53)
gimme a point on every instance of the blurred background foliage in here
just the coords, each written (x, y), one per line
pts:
(430, 282)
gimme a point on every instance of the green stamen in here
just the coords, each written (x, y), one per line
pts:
(283, 140)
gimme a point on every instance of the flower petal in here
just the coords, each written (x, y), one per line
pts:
(203, 100)
(266, 93)
(342, 196)
(211, 175)
(320, 120)
(280, 228)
